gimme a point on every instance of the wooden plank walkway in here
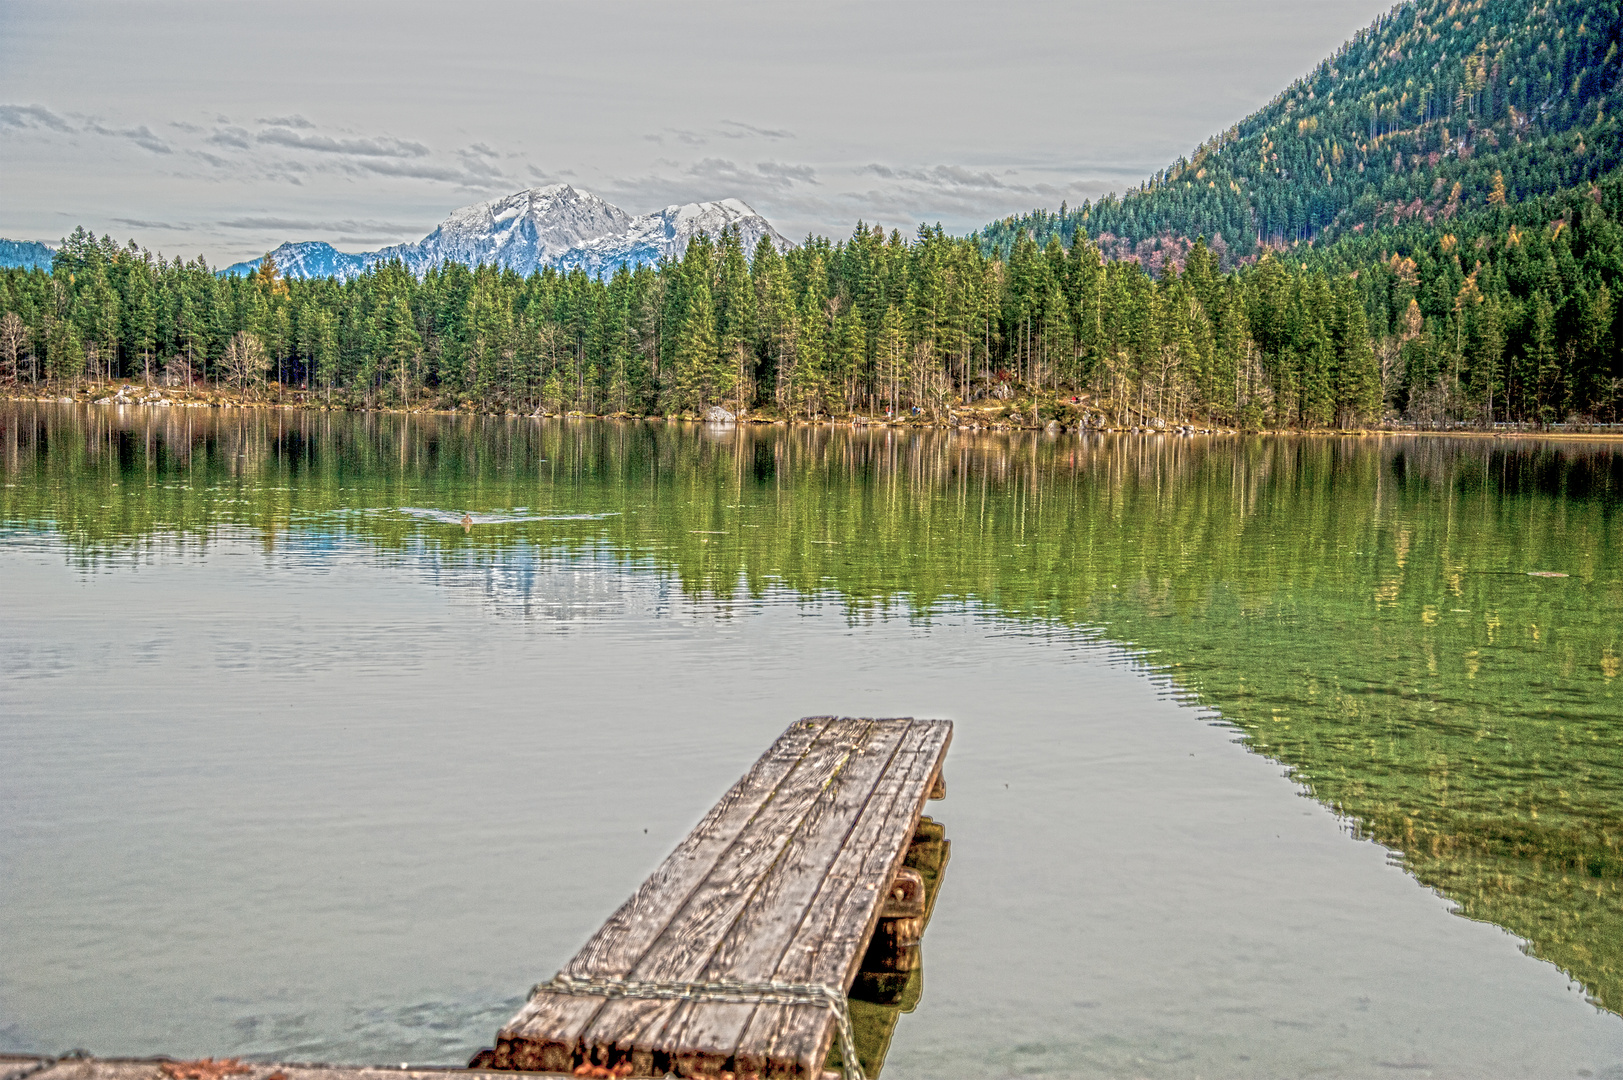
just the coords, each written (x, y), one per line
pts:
(783, 882)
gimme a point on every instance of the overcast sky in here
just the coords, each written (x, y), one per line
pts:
(227, 128)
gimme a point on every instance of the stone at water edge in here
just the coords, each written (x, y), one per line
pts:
(715, 414)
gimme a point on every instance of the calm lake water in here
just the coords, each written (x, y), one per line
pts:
(1271, 758)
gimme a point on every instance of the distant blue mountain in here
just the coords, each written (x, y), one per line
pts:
(26, 254)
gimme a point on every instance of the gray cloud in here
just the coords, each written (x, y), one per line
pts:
(142, 136)
(231, 136)
(481, 161)
(32, 116)
(278, 172)
(737, 129)
(380, 146)
(211, 159)
(789, 174)
(932, 194)
(414, 170)
(944, 176)
(390, 228)
(294, 121)
(365, 241)
(721, 171)
(142, 223)
(741, 179)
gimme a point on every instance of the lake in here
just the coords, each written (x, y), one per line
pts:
(1274, 756)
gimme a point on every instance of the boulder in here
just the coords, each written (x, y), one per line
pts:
(715, 414)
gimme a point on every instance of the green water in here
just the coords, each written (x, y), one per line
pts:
(1360, 609)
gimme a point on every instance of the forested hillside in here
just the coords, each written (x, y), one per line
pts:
(1438, 108)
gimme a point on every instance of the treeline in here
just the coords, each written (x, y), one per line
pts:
(1513, 317)
(1439, 106)
(1527, 331)
(873, 323)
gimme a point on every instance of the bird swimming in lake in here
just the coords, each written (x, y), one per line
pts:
(467, 523)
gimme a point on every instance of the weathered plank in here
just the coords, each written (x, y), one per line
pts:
(683, 952)
(783, 882)
(753, 949)
(787, 1040)
(545, 1035)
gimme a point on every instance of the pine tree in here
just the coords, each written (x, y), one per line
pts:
(1358, 376)
(64, 351)
(403, 348)
(1314, 353)
(776, 319)
(695, 359)
(890, 358)
(324, 354)
(808, 380)
(1543, 364)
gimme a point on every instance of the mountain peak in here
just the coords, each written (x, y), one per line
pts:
(666, 234)
(557, 225)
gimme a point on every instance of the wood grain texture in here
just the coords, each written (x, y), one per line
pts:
(692, 935)
(785, 1040)
(547, 1030)
(753, 948)
(784, 880)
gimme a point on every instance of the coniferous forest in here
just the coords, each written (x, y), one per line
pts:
(1424, 229)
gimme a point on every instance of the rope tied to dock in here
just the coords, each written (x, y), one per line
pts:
(725, 992)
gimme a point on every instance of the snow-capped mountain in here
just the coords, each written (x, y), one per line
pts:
(668, 232)
(551, 226)
(522, 232)
(311, 259)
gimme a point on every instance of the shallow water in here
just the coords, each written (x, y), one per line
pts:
(296, 767)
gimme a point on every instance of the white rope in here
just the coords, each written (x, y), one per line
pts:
(722, 991)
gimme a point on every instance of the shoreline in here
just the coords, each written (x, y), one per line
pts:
(214, 397)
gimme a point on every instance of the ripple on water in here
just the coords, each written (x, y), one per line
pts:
(495, 517)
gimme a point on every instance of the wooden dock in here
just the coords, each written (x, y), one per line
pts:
(737, 954)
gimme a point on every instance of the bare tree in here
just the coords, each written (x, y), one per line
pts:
(177, 372)
(245, 362)
(13, 339)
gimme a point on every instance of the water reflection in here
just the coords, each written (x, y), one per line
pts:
(1360, 608)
